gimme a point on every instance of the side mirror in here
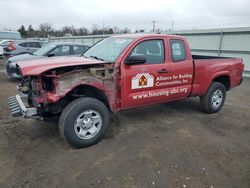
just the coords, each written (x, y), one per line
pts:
(135, 59)
(51, 55)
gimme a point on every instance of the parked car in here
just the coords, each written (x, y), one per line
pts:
(1, 51)
(3, 44)
(120, 73)
(49, 50)
(22, 47)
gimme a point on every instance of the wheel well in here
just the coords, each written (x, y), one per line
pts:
(77, 92)
(89, 91)
(225, 80)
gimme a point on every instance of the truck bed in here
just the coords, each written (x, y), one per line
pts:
(207, 57)
(206, 67)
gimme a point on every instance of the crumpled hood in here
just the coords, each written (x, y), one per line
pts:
(36, 67)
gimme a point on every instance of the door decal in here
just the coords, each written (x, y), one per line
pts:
(143, 80)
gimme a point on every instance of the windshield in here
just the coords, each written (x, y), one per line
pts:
(44, 50)
(108, 49)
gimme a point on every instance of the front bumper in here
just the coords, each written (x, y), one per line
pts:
(18, 108)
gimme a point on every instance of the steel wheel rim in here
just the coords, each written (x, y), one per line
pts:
(88, 124)
(217, 98)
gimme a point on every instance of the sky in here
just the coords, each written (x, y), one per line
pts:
(185, 14)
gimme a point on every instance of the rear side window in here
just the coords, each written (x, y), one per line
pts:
(34, 45)
(178, 50)
(24, 44)
(65, 50)
(79, 49)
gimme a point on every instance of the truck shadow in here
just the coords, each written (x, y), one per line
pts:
(141, 115)
(124, 121)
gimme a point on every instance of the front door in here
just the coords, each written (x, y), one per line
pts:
(140, 81)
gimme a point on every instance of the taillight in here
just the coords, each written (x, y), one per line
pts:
(11, 46)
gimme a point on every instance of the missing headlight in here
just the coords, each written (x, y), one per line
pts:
(47, 84)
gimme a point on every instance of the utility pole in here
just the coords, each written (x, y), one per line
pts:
(172, 25)
(153, 25)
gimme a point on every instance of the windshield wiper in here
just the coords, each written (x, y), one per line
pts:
(98, 58)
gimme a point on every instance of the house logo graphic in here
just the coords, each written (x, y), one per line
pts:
(142, 80)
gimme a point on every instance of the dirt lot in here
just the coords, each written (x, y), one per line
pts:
(167, 145)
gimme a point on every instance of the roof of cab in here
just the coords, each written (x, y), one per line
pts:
(147, 35)
(69, 43)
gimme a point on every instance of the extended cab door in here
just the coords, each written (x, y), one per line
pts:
(139, 80)
(180, 70)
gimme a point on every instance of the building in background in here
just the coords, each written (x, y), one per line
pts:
(6, 35)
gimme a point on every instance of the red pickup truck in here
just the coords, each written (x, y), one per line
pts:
(119, 73)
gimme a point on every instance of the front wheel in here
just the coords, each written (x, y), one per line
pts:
(84, 122)
(214, 99)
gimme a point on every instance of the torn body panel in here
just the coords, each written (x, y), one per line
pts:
(100, 78)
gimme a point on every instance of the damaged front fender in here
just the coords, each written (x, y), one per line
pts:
(101, 78)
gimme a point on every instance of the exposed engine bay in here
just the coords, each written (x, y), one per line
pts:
(51, 91)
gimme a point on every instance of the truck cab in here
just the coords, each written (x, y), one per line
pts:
(166, 74)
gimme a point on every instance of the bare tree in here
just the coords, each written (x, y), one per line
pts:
(116, 29)
(126, 30)
(31, 31)
(95, 30)
(83, 31)
(45, 29)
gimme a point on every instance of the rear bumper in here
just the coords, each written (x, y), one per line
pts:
(18, 108)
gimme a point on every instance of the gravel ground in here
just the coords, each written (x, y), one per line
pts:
(167, 145)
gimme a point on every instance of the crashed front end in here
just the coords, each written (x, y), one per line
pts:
(30, 101)
(48, 94)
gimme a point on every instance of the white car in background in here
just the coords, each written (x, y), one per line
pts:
(3, 45)
(1, 51)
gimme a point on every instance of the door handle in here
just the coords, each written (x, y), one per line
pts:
(162, 71)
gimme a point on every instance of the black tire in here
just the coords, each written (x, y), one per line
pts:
(206, 100)
(71, 113)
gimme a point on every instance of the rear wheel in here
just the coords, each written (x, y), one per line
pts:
(214, 99)
(84, 122)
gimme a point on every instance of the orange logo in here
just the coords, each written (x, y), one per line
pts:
(143, 81)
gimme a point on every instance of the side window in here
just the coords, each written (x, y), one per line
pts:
(24, 44)
(30, 44)
(65, 50)
(33, 45)
(61, 51)
(178, 50)
(36, 45)
(78, 49)
(153, 50)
